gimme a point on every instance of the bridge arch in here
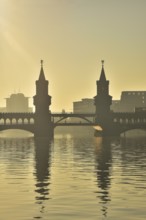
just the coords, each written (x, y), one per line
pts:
(25, 121)
(126, 121)
(20, 121)
(31, 121)
(132, 120)
(77, 117)
(2, 121)
(17, 127)
(17, 132)
(115, 120)
(133, 131)
(7, 121)
(121, 120)
(130, 129)
(14, 121)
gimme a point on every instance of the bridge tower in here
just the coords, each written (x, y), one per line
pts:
(102, 103)
(42, 102)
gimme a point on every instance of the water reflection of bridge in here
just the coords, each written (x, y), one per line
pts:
(103, 171)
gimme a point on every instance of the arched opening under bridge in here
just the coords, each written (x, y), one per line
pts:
(134, 132)
(15, 133)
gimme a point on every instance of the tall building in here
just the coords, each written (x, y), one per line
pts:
(130, 100)
(17, 103)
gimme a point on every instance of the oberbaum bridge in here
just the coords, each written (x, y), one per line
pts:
(42, 122)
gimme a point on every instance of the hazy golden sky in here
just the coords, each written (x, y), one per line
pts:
(72, 36)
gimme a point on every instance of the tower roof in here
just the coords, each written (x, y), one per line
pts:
(102, 75)
(42, 75)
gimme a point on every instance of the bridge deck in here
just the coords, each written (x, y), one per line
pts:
(78, 115)
(75, 124)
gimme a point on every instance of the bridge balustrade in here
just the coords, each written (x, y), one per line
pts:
(16, 119)
(129, 120)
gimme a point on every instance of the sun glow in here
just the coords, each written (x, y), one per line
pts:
(98, 128)
(10, 32)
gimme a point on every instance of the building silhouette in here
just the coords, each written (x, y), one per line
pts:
(86, 105)
(130, 100)
(2, 109)
(17, 102)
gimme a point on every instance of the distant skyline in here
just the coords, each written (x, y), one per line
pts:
(72, 37)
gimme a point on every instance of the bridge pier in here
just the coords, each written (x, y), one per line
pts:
(45, 132)
(111, 132)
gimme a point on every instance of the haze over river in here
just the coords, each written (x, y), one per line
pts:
(74, 177)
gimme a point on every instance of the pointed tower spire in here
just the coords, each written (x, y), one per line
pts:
(102, 75)
(42, 75)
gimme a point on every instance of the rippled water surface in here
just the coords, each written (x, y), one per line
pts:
(73, 177)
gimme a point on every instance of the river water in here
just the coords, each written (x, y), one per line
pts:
(73, 177)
